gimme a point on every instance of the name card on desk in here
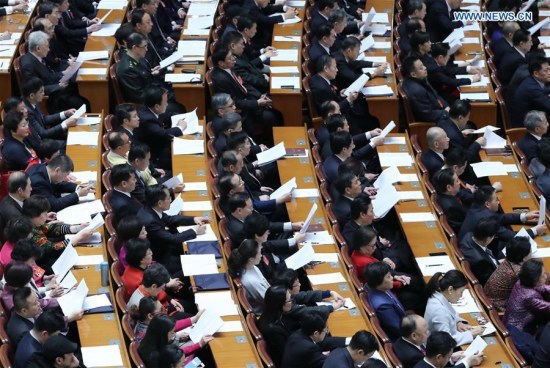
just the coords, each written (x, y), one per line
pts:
(480, 97)
(284, 69)
(417, 216)
(200, 22)
(196, 32)
(92, 55)
(327, 278)
(377, 91)
(395, 159)
(285, 83)
(183, 78)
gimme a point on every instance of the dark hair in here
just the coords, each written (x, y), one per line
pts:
(64, 163)
(137, 16)
(485, 228)
(456, 156)
(245, 22)
(230, 120)
(483, 194)
(32, 85)
(362, 236)
(335, 16)
(17, 180)
(136, 38)
(20, 297)
(335, 121)
(115, 139)
(35, 205)
(153, 95)
(236, 139)
(17, 228)
(17, 274)
(128, 227)
(49, 321)
(408, 65)
(459, 108)
(344, 181)
(46, 8)
(322, 4)
(170, 355)
(517, 249)
(237, 200)
(364, 340)
(123, 111)
(12, 103)
(26, 249)
(286, 278)
(443, 281)
(140, 3)
(521, 35)
(255, 225)
(120, 173)
(442, 179)
(232, 37)
(340, 140)
(360, 204)
(225, 185)
(324, 61)
(155, 193)
(412, 6)
(327, 108)
(350, 43)
(439, 343)
(374, 363)
(313, 321)
(229, 157)
(530, 272)
(219, 54)
(138, 151)
(439, 49)
(239, 257)
(47, 148)
(11, 121)
(122, 33)
(155, 339)
(146, 306)
(136, 249)
(413, 25)
(375, 273)
(418, 38)
(274, 300)
(352, 165)
(156, 274)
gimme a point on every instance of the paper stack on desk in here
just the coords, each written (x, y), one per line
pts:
(187, 146)
(84, 177)
(285, 83)
(200, 22)
(102, 356)
(327, 278)
(198, 264)
(220, 302)
(395, 159)
(489, 168)
(106, 30)
(285, 55)
(208, 235)
(466, 304)
(82, 138)
(92, 55)
(80, 213)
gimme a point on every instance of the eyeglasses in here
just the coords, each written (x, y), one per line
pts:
(288, 301)
(142, 47)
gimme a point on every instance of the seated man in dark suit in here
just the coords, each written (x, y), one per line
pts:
(438, 142)
(48, 180)
(250, 74)
(52, 126)
(61, 95)
(11, 206)
(305, 347)
(456, 127)
(425, 103)
(439, 19)
(362, 346)
(531, 93)
(231, 122)
(221, 103)
(505, 44)
(320, 13)
(354, 106)
(473, 246)
(247, 28)
(49, 323)
(151, 131)
(515, 57)
(26, 309)
(19, 147)
(415, 9)
(73, 32)
(348, 187)
(342, 145)
(166, 240)
(263, 12)
(123, 180)
(410, 348)
(127, 119)
(486, 204)
(447, 186)
(543, 159)
(321, 44)
(537, 125)
(439, 352)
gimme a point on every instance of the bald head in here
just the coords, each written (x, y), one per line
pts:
(508, 30)
(19, 185)
(415, 329)
(437, 139)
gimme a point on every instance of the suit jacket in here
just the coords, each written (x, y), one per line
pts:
(389, 311)
(509, 63)
(324, 91)
(244, 100)
(426, 104)
(528, 144)
(316, 51)
(480, 262)
(26, 348)
(302, 352)
(46, 126)
(476, 213)
(16, 154)
(339, 358)
(439, 22)
(251, 74)
(123, 205)
(500, 48)
(408, 354)
(453, 209)
(349, 71)
(341, 208)
(31, 67)
(458, 140)
(441, 316)
(17, 328)
(9, 209)
(72, 33)
(432, 161)
(317, 19)
(542, 356)
(264, 21)
(237, 234)
(543, 182)
(275, 335)
(529, 96)
(133, 77)
(41, 185)
(330, 167)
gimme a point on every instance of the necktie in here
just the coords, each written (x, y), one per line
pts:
(154, 48)
(239, 82)
(158, 27)
(491, 256)
(423, 349)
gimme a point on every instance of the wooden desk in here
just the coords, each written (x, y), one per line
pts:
(102, 328)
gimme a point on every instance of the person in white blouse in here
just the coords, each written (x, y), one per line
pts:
(243, 263)
(445, 289)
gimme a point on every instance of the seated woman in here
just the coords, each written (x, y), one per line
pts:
(243, 263)
(527, 308)
(36, 208)
(501, 282)
(160, 333)
(149, 307)
(16, 228)
(19, 145)
(274, 331)
(128, 228)
(444, 290)
(172, 357)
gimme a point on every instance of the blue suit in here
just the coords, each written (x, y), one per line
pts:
(41, 185)
(26, 348)
(389, 311)
(529, 96)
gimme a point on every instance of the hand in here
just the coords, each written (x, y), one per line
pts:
(202, 220)
(161, 172)
(63, 84)
(263, 147)
(51, 216)
(264, 101)
(284, 198)
(81, 235)
(299, 237)
(467, 132)
(181, 13)
(178, 188)
(457, 356)
(297, 226)
(337, 304)
(385, 242)
(5, 35)
(477, 330)
(197, 316)
(200, 229)
(482, 141)
(378, 141)
(471, 188)
(263, 197)
(176, 305)
(352, 96)
(498, 186)
(337, 296)
(474, 70)
(83, 191)
(359, 11)
(389, 262)
(475, 359)
(540, 229)
(20, 8)
(532, 215)
(69, 113)
(174, 284)
(447, 108)
(170, 41)
(266, 77)
(270, 53)
(51, 278)
(370, 177)
(380, 70)
(76, 316)
(93, 28)
(182, 335)
(57, 292)
(205, 340)
(405, 280)
(371, 191)
(266, 189)
(375, 132)
(290, 13)
(71, 122)
(462, 326)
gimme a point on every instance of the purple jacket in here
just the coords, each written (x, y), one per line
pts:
(7, 299)
(525, 304)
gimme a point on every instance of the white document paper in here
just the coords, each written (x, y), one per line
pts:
(479, 96)
(286, 188)
(105, 17)
(176, 55)
(511, 168)
(7, 50)
(92, 55)
(94, 239)
(198, 264)
(272, 154)
(533, 243)
(326, 257)
(466, 304)
(456, 34)
(408, 177)
(287, 39)
(80, 213)
(187, 146)
(285, 82)
(296, 3)
(231, 326)
(5, 64)
(395, 140)
(87, 198)
(14, 37)
(417, 216)
(84, 177)
(208, 324)
(381, 18)
(112, 4)
(474, 26)
(493, 139)
(386, 198)
(82, 138)
(190, 118)
(408, 195)
(541, 253)
(372, 70)
(96, 222)
(309, 218)
(305, 193)
(284, 69)
(374, 59)
(348, 304)
(387, 129)
(357, 85)
(319, 238)
(366, 44)
(482, 130)
(219, 302)
(368, 17)
(285, 55)
(382, 45)
(489, 168)
(192, 47)
(395, 159)
(327, 278)
(200, 22)
(73, 300)
(208, 235)
(455, 45)
(429, 266)
(292, 20)
(527, 6)
(544, 13)
(102, 356)
(70, 71)
(107, 30)
(195, 186)
(182, 78)
(542, 210)
(387, 177)
(202, 8)
(89, 260)
(477, 346)
(65, 262)
(377, 91)
(197, 206)
(539, 25)
(173, 181)
(68, 281)
(196, 32)
(470, 40)
(301, 257)
(96, 301)
(88, 120)
(175, 207)
(78, 113)
(489, 329)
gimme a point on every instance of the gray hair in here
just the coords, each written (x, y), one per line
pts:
(219, 100)
(36, 39)
(533, 119)
(232, 118)
(433, 134)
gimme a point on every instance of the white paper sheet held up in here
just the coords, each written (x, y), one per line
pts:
(429, 266)
(386, 198)
(80, 213)
(301, 257)
(417, 216)
(493, 140)
(172, 58)
(197, 206)
(482, 130)
(286, 188)
(173, 181)
(82, 138)
(477, 346)
(387, 129)
(523, 232)
(208, 324)
(175, 207)
(357, 84)
(327, 278)
(72, 301)
(198, 264)
(191, 119)
(389, 176)
(489, 168)
(187, 146)
(96, 223)
(285, 55)
(65, 262)
(220, 302)
(542, 210)
(272, 154)
(366, 43)
(309, 218)
(102, 356)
